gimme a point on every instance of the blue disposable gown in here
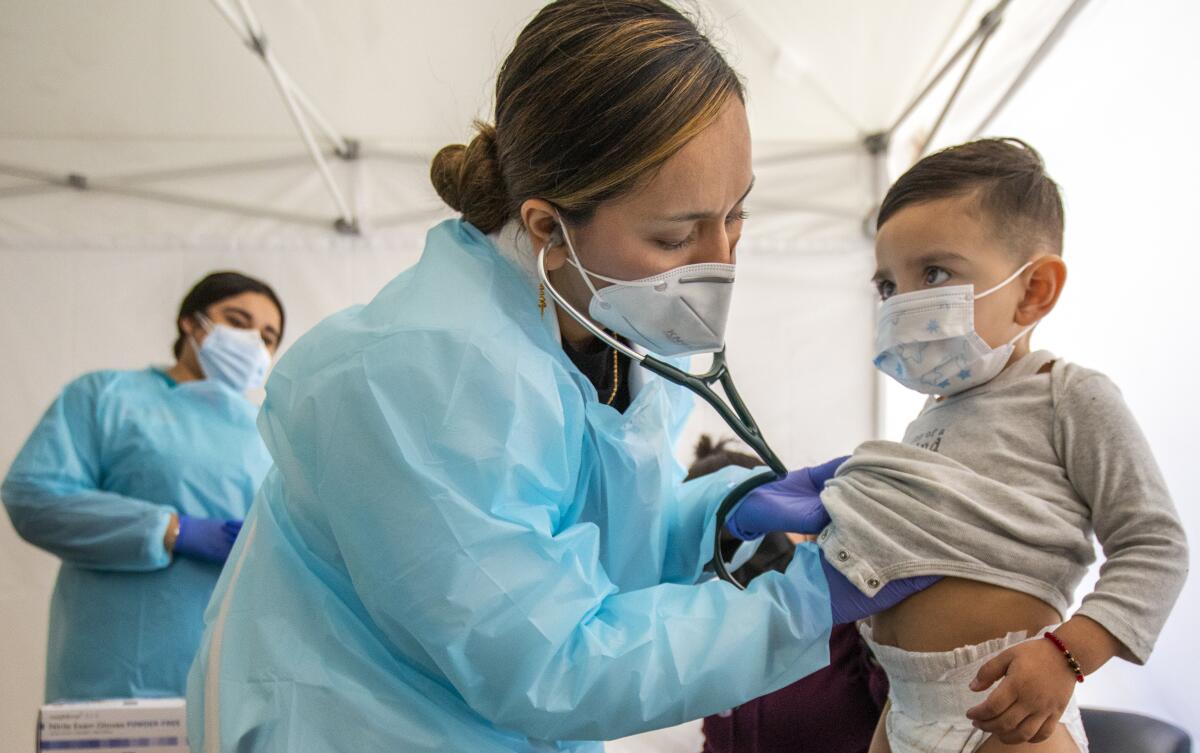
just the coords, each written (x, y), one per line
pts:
(95, 484)
(461, 549)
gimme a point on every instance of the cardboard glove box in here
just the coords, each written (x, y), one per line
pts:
(135, 725)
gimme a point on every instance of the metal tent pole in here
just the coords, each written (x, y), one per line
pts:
(1052, 38)
(250, 30)
(958, 87)
(185, 172)
(986, 26)
(343, 147)
(47, 181)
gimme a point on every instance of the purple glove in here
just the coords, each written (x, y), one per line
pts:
(206, 539)
(850, 604)
(792, 504)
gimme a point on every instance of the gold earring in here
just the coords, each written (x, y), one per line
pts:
(542, 298)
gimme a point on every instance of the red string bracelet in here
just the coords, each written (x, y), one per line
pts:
(1071, 661)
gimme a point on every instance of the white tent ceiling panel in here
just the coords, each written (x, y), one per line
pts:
(850, 67)
(142, 68)
(418, 72)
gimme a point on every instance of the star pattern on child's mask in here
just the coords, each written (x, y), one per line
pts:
(911, 352)
(936, 378)
(932, 344)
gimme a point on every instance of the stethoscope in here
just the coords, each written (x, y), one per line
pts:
(734, 411)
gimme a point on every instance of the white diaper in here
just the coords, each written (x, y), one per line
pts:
(930, 695)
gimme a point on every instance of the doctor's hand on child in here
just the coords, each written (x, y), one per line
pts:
(791, 504)
(1036, 681)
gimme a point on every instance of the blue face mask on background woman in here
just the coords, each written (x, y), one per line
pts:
(234, 357)
(926, 340)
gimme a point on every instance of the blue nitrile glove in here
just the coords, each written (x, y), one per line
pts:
(850, 604)
(791, 504)
(206, 539)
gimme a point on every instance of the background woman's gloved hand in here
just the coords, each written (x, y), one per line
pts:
(206, 539)
(850, 604)
(791, 504)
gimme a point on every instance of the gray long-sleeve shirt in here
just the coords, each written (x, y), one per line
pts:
(1005, 484)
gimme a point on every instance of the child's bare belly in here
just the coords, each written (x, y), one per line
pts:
(954, 612)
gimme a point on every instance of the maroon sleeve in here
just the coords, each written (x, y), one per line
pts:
(833, 710)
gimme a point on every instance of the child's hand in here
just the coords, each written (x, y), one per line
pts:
(1031, 699)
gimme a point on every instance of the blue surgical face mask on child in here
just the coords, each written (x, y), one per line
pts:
(234, 357)
(926, 340)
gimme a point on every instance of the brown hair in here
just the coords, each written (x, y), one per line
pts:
(1016, 195)
(712, 456)
(595, 96)
(215, 288)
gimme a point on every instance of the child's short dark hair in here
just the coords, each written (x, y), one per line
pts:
(1020, 200)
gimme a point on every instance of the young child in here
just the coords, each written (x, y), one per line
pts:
(1001, 480)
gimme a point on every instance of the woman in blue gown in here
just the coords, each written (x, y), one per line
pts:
(475, 536)
(138, 481)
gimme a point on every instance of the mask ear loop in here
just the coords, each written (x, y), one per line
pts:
(574, 257)
(574, 314)
(1007, 280)
(1022, 333)
(587, 274)
(206, 324)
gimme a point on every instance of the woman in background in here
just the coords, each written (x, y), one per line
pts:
(138, 481)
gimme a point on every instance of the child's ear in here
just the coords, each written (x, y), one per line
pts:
(1047, 275)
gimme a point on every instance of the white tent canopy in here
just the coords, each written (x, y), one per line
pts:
(155, 103)
(143, 144)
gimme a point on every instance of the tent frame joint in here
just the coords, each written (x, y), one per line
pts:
(348, 150)
(878, 142)
(991, 19)
(77, 181)
(347, 226)
(258, 44)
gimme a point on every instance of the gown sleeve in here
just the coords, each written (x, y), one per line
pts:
(53, 497)
(447, 475)
(692, 523)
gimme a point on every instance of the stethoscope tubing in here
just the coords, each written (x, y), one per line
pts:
(733, 410)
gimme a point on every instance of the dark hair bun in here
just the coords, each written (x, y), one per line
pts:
(468, 179)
